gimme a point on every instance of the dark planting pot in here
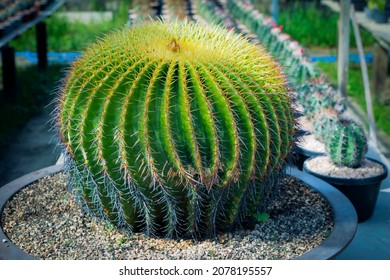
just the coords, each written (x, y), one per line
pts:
(303, 154)
(368, 13)
(359, 4)
(16, 21)
(376, 15)
(344, 215)
(7, 27)
(380, 16)
(26, 15)
(44, 5)
(362, 192)
(2, 30)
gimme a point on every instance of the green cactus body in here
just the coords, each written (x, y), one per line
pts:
(302, 70)
(346, 144)
(323, 123)
(317, 96)
(175, 129)
(280, 46)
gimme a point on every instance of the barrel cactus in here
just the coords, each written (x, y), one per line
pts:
(323, 123)
(346, 144)
(317, 96)
(175, 129)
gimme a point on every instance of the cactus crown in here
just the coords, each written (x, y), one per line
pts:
(175, 129)
(346, 144)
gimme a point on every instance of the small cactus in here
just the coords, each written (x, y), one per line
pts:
(323, 123)
(264, 27)
(346, 144)
(175, 129)
(317, 96)
(271, 37)
(292, 48)
(279, 47)
(300, 69)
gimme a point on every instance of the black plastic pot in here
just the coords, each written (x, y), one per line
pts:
(362, 192)
(380, 16)
(344, 228)
(359, 4)
(376, 15)
(368, 13)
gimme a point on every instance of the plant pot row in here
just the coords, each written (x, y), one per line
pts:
(362, 192)
(377, 15)
(14, 14)
(358, 4)
(373, 14)
(344, 215)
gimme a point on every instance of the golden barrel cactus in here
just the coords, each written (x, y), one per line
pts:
(175, 129)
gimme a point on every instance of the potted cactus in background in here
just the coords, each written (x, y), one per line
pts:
(346, 167)
(323, 123)
(376, 11)
(321, 108)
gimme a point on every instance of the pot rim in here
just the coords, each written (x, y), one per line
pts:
(8, 250)
(344, 229)
(309, 153)
(349, 181)
(344, 219)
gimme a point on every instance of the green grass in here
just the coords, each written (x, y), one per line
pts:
(64, 35)
(356, 92)
(314, 27)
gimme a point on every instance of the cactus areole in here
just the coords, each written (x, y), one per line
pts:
(175, 129)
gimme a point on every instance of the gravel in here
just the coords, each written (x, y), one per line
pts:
(44, 221)
(323, 165)
(309, 142)
(305, 124)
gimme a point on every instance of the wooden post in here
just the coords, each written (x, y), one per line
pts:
(41, 45)
(9, 73)
(343, 48)
(380, 68)
(366, 83)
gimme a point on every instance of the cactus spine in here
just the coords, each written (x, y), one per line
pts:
(346, 144)
(175, 129)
